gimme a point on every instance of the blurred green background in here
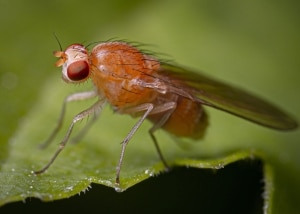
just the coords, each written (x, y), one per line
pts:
(254, 44)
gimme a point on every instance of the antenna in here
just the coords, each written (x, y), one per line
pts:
(56, 38)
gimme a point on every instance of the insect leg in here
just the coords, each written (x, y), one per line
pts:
(70, 98)
(168, 108)
(147, 107)
(96, 108)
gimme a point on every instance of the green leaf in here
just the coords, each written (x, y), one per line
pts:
(93, 160)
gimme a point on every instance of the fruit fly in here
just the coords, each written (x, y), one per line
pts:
(171, 97)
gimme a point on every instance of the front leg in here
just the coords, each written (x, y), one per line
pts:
(72, 97)
(94, 109)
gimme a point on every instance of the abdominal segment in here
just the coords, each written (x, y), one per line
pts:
(188, 119)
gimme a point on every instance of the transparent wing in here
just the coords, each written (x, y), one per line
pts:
(225, 97)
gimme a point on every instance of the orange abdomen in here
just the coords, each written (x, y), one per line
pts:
(188, 119)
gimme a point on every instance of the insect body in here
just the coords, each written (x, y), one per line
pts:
(169, 96)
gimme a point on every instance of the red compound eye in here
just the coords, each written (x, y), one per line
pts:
(78, 70)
